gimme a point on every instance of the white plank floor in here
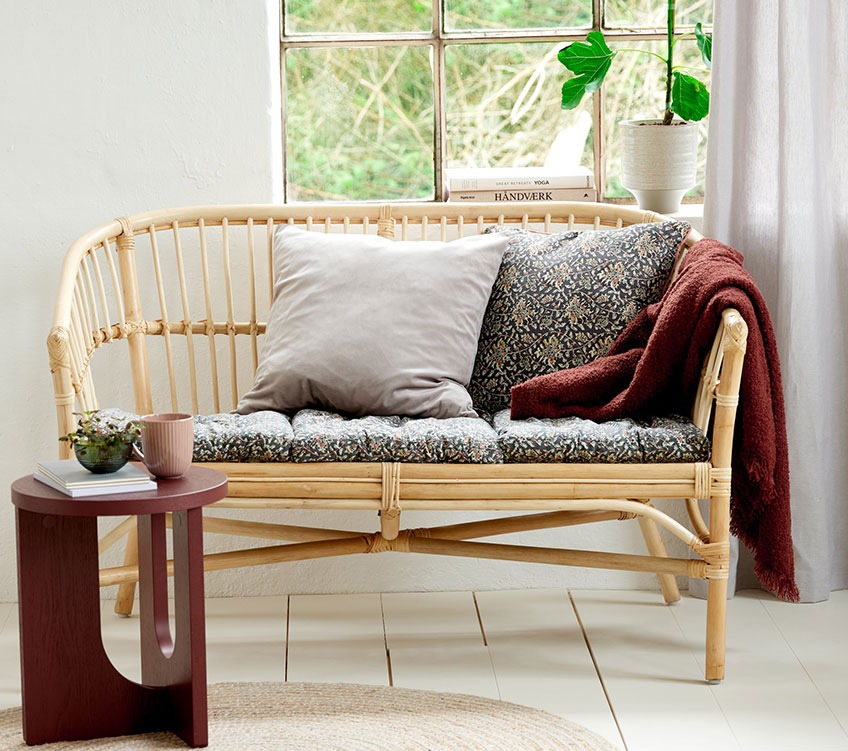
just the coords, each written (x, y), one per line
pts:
(621, 663)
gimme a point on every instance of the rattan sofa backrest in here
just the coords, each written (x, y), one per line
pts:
(188, 290)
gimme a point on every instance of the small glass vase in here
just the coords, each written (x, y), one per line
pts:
(103, 459)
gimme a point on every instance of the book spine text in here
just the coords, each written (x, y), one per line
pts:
(520, 183)
(496, 196)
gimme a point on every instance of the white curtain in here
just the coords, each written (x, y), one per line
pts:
(777, 190)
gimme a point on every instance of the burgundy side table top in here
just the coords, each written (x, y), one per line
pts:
(71, 691)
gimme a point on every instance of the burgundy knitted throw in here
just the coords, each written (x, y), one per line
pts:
(654, 367)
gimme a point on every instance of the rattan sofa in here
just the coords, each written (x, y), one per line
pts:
(171, 304)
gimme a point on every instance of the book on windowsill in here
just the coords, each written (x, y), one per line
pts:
(513, 194)
(515, 178)
(71, 478)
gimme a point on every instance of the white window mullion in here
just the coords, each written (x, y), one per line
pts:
(439, 98)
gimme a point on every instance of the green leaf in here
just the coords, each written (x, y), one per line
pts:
(689, 97)
(589, 61)
(705, 44)
(572, 93)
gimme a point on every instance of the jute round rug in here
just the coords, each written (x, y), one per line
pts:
(347, 717)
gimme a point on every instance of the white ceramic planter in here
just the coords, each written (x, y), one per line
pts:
(659, 162)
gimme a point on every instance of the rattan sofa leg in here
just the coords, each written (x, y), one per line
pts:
(126, 592)
(717, 590)
(733, 343)
(716, 629)
(656, 547)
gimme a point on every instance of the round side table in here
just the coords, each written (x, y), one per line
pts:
(71, 691)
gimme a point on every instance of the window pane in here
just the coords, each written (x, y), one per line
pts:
(653, 14)
(336, 16)
(635, 90)
(516, 14)
(503, 108)
(359, 123)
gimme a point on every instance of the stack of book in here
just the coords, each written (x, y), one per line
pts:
(493, 184)
(71, 478)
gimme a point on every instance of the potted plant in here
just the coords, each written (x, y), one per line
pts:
(101, 443)
(659, 157)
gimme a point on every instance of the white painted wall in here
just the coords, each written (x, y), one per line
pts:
(109, 109)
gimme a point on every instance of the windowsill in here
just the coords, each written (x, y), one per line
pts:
(693, 213)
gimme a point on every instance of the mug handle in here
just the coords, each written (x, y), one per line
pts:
(137, 453)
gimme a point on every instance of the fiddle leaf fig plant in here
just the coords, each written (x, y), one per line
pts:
(590, 61)
(705, 44)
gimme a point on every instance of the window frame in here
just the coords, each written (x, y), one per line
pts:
(439, 39)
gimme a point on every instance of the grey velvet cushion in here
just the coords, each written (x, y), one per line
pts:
(365, 325)
(560, 301)
(670, 439)
(321, 436)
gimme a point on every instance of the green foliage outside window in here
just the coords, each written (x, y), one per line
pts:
(360, 120)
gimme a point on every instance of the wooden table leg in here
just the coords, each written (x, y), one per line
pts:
(176, 662)
(71, 691)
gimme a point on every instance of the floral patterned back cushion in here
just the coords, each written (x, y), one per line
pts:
(560, 301)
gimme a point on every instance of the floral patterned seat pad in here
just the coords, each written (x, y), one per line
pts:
(259, 437)
(264, 436)
(572, 440)
(321, 436)
(318, 436)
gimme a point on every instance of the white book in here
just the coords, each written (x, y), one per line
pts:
(136, 487)
(530, 178)
(71, 478)
(516, 194)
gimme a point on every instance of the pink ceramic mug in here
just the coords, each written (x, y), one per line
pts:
(167, 442)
